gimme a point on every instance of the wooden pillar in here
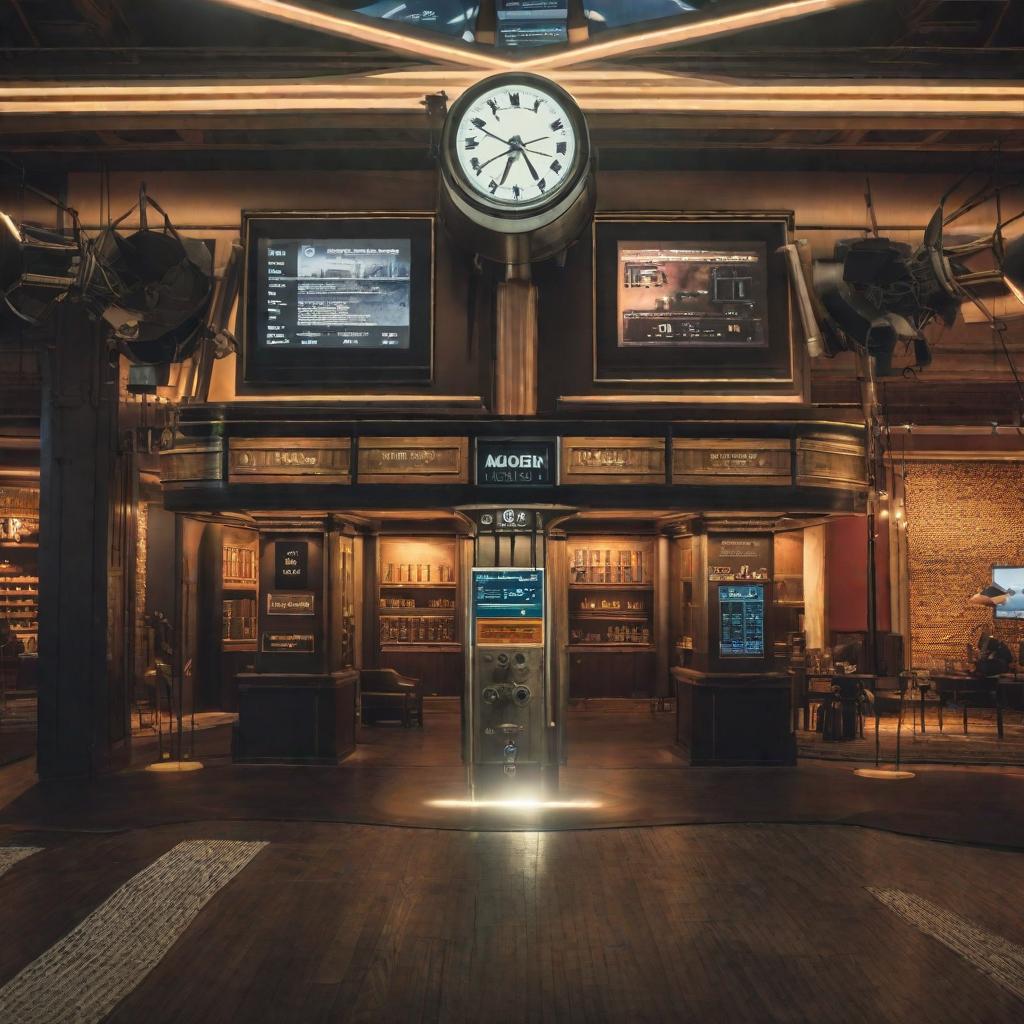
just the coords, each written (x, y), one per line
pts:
(78, 452)
(515, 385)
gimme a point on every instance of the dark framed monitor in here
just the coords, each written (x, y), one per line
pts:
(337, 299)
(741, 620)
(699, 301)
(1010, 579)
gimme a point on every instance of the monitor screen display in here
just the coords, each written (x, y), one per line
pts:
(334, 292)
(691, 295)
(334, 299)
(1010, 578)
(741, 620)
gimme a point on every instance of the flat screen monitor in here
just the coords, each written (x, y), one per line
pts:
(333, 300)
(1011, 579)
(703, 295)
(741, 620)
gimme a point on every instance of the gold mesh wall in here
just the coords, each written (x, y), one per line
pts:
(962, 518)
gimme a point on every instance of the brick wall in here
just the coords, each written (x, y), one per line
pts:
(962, 517)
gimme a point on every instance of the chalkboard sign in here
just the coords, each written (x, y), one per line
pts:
(291, 565)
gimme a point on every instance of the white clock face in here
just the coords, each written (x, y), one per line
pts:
(515, 144)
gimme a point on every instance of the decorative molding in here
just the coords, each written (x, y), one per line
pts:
(612, 460)
(422, 460)
(290, 460)
(830, 461)
(710, 461)
(201, 462)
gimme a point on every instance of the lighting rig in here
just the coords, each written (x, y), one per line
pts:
(151, 288)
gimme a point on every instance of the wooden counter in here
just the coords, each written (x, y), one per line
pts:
(295, 718)
(734, 718)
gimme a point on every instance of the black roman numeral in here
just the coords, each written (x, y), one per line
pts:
(516, 191)
(542, 185)
(513, 98)
(536, 106)
(478, 122)
(560, 147)
(493, 104)
(555, 166)
(475, 164)
(493, 186)
(557, 126)
(471, 142)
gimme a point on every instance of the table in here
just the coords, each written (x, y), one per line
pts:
(994, 688)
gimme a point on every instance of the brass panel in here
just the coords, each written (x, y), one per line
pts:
(417, 460)
(613, 460)
(727, 461)
(830, 462)
(19, 502)
(193, 463)
(288, 460)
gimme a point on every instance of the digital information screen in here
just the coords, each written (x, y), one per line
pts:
(334, 293)
(1011, 579)
(741, 621)
(508, 606)
(691, 295)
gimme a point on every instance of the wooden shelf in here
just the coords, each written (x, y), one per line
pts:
(611, 586)
(610, 648)
(428, 586)
(238, 645)
(422, 647)
(239, 585)
(423, 613)
(607, 614)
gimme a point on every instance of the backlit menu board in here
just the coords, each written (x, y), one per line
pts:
(508, 606)
(741, 620)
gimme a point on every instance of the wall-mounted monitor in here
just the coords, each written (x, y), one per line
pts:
(691, 301)
(335, 300)
(741, 620)
(1010, 579)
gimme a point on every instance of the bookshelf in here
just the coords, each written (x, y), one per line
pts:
(239, 594)
(19, 603)
(611, 592)
(417, 594)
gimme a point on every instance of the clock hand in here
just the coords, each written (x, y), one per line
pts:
(530, 142)
(498, 157)
(508, 167)
(529, 166)
(537, 152)
(504, 142)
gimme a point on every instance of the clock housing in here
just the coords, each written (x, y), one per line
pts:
(517, 179)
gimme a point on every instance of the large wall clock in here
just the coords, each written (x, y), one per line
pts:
(517, 178)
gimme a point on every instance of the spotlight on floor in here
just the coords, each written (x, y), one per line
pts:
(883, 773)
(517, 804)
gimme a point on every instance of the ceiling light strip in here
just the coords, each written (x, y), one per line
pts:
(368, 30)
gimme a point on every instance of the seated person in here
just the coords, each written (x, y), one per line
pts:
(994, 658)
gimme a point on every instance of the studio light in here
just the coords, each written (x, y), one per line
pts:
(39, 268)
(165, 284)
(876, 292)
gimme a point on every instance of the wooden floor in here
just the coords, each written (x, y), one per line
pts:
(740, 924)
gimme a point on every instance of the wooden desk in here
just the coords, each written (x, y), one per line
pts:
(295, 718)
(734, 718)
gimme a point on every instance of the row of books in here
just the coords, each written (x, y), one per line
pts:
(602, 565)
(416, 572)
(239, 563)
(417, 629)
(239, 619)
